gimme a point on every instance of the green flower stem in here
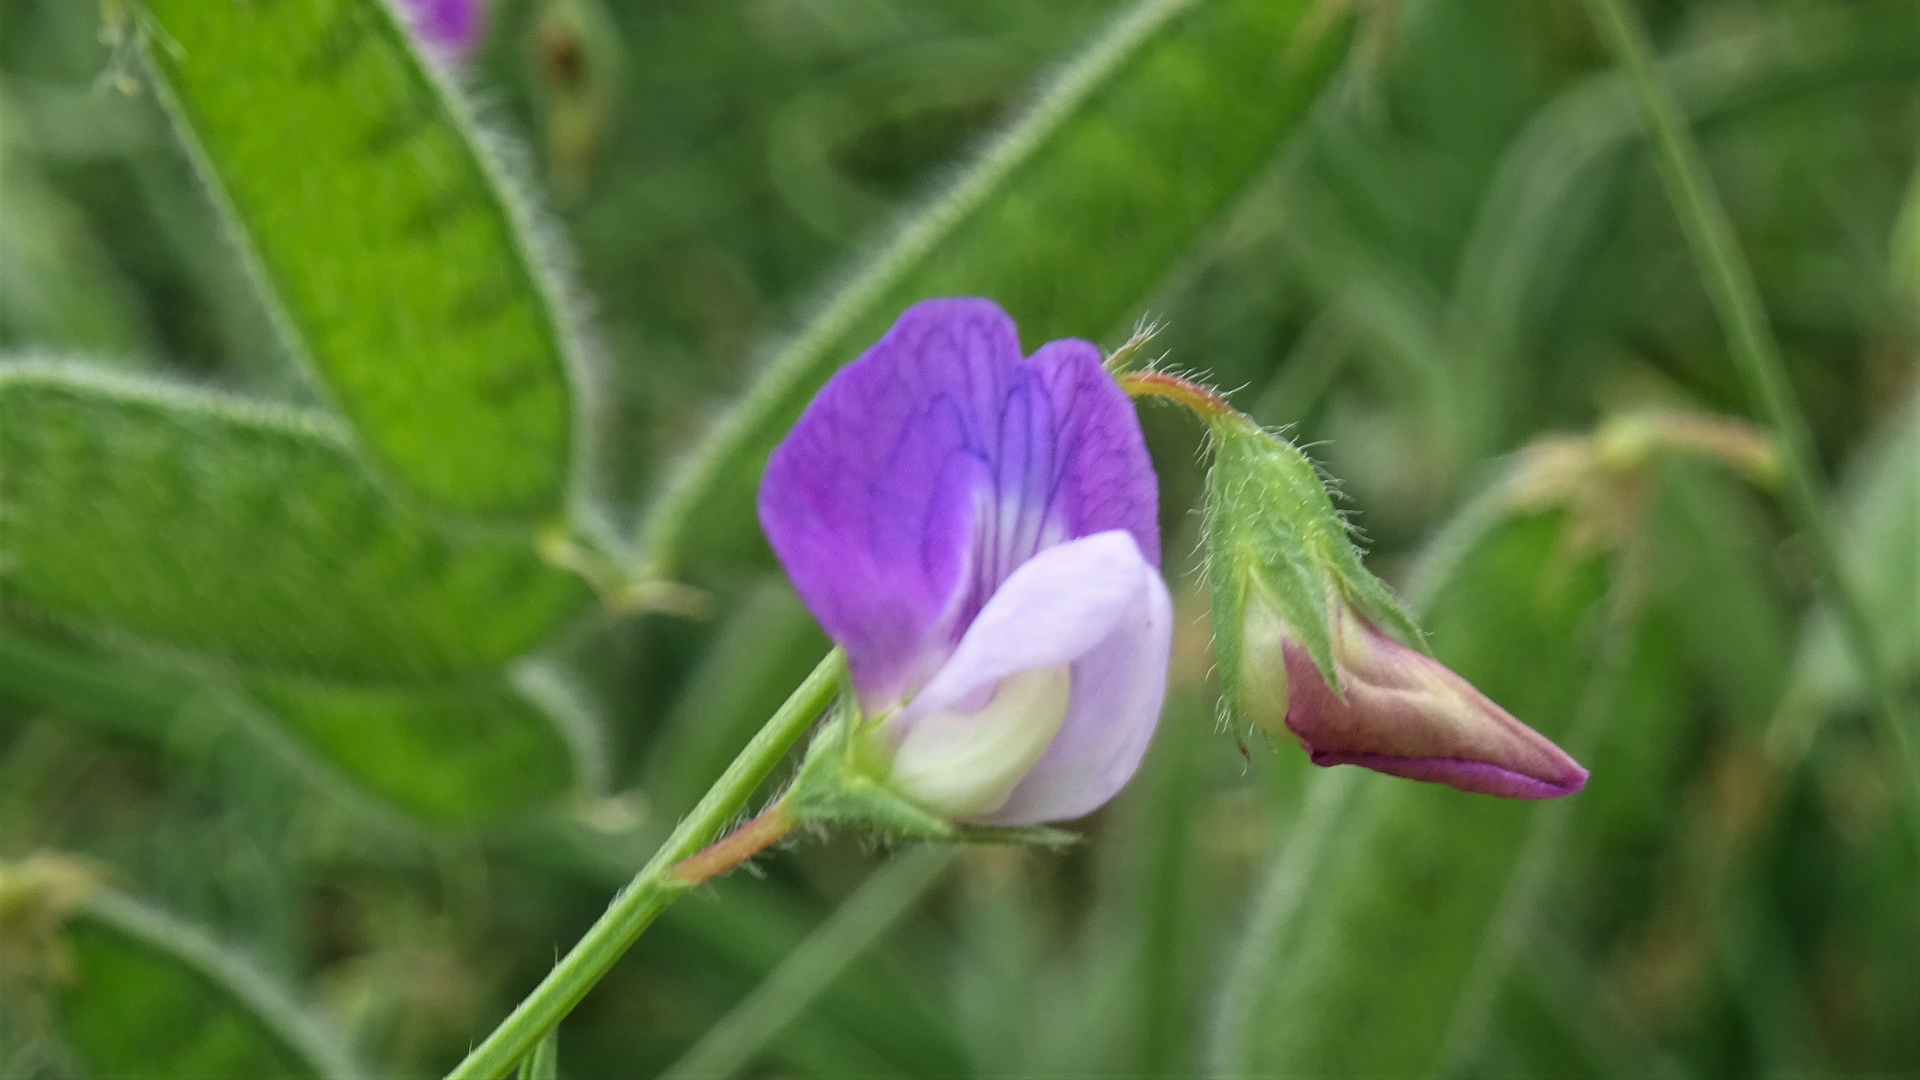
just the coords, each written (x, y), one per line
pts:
(656, 886)
(1730, 284)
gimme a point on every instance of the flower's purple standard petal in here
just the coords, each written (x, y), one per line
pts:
(1079, 637)
(1408, 715)
(448, 29)
(930, 469)
(1106, 480)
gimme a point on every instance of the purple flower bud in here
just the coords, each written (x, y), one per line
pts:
(1404, 713)
(979, 531)
(448, 30)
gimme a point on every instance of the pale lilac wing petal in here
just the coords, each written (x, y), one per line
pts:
(1056, 608)
(1093, 603)
(1118, 689)
(1105, 479)
(870, 501)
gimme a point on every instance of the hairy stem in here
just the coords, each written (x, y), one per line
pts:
(743, 843)
(1730, 285)
(657, 884)
(1159, 384)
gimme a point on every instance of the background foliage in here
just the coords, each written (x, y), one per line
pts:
(307, 424)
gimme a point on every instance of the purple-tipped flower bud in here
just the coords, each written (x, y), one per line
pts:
(1295, 615)
(1406, 714)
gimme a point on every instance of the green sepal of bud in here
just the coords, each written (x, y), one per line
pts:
(1278, 549)
(842, 782)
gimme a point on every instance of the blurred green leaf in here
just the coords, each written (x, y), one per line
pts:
(1878, 522)
(1714, 550)
(447, 754)
(1067, 220)
(452, 754)
(248, 533)
(57, 284)
(154, 997)
(405, 265)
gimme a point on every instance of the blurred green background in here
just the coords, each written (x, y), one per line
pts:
(348, 807)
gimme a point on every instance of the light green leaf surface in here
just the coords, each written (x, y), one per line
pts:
(56, 283)
(208, 524)
(446, 754)
(452, 754)
(404, 266)
(1878, 527)
(1067, 220)
(155, 997)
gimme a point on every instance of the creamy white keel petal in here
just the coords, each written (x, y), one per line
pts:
(965, 764)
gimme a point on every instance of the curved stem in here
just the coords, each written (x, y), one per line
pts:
(656, 886)
(1209, 405)
(1736, 298)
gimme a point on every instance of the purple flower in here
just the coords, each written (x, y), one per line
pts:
(978, 530)
(448, 29)
(1408, 715)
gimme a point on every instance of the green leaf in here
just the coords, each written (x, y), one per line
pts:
(453, 754)
(252, 534)
(405, 269)
(1068, 220)
(154, 997)
(1714, 548)
(57, 284)
(450, 755)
